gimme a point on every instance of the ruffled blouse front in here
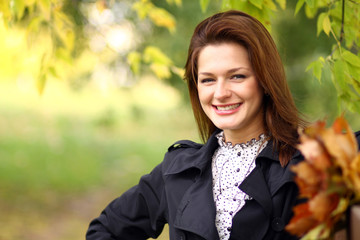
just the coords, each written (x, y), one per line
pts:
(230, 166)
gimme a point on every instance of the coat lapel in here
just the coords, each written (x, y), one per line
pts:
(268, 176)
(256, 187)
(196, 212)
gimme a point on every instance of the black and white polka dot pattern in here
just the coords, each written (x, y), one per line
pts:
(230, 166)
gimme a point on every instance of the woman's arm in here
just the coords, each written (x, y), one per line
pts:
(140, 213)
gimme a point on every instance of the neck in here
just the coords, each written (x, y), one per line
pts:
(236, 137)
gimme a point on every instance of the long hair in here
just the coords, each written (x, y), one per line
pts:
(281, 118)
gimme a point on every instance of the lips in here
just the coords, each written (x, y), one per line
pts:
(227, 109)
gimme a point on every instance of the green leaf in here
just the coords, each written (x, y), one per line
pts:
(257, 3)
(134, 60)
(299, 5)
(351, 58)
(269, 4)
(34, 24)
(19, 7)
(177, 2)
(353, 106)
(318, 232)
(204, 5)
(235, 4)
(316, 67)
(354, 72)
(339, 69)
(282, 4)
(310, 12)
(320, 23)
(40, 83)
(53, 72)
(310, 3)
(327, 25)
(225, 4)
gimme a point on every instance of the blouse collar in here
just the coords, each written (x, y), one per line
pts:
(222, 143)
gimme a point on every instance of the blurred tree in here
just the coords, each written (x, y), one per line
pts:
(119, 32)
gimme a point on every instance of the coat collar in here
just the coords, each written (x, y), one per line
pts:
(196, 156)
(196, 211)
(198, 204)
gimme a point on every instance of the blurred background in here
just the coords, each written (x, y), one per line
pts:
(92, 97)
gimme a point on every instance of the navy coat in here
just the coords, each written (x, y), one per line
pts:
(179, 192)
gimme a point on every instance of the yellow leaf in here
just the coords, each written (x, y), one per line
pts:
(154, 54)
(320, 23)
(355, 174)
(178, 71)
(134, 60)
(29, 2)
(162, 18)
(5, 9)
(282, 4)
(177, 2)
(142, 8)
(160, 70)
(45, 7)
(101, 5)
(19, 7)
(327, 25)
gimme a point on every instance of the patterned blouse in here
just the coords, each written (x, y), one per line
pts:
(230, 166)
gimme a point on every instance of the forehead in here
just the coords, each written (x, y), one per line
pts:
(223, 55)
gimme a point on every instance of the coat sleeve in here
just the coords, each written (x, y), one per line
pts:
(138, 214)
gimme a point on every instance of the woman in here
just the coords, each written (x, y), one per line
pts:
(238, 185)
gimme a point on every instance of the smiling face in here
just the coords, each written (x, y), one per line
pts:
(229, 93)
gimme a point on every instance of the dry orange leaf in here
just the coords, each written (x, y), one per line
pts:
(322, 205)
(302, 221)
(329, 175)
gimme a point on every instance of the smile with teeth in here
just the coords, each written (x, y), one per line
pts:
(227, 108)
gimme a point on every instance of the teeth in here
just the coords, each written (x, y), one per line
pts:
(230, 107)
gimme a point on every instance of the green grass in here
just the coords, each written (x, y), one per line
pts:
(68, 155)
(65, 155)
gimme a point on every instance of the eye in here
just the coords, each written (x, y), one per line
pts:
(238, 76)
(206, 80)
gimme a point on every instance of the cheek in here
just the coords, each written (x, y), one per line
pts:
(254, 91)
(203, 95)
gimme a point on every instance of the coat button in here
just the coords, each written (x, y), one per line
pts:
(277, 224)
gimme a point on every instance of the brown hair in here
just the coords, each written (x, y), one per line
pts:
(281, 118)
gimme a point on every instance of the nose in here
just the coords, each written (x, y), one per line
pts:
(222, 90)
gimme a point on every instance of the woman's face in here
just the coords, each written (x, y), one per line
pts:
(229, 93)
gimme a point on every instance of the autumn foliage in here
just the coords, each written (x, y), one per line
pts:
(329, 178)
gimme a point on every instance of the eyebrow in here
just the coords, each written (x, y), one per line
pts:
(229, 71)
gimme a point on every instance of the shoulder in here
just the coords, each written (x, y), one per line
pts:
(186, 154)
(184, 145)
(181, 156)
